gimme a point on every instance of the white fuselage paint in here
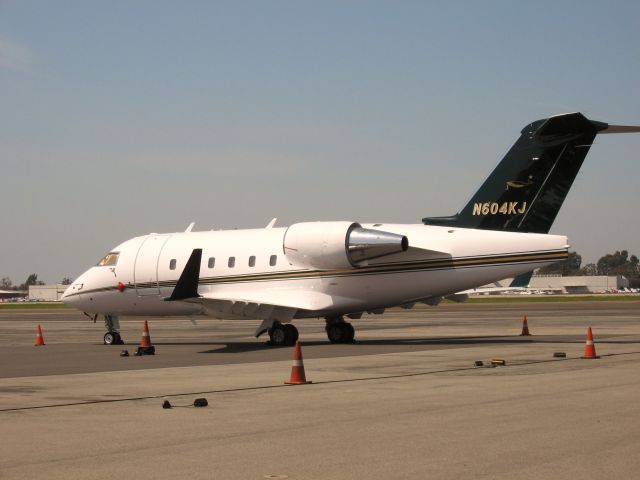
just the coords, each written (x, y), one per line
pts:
(440, 261)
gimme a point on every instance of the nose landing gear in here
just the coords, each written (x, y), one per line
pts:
(112, 337)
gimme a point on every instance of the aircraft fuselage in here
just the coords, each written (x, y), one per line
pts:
(245, 264)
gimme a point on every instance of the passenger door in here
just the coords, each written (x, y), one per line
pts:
(146, 266)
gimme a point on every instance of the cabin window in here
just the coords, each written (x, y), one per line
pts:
(109, 260)
(172, 264)
(252, 261)
(232, 262)
(212, 262)
(273, 260)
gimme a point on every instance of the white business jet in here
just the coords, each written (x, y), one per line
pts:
(334, 270)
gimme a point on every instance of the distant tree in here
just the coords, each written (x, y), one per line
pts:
(31, 280)
(66, 281)
(589, 269)
(570, 266)
(619, 263)
(6, 283)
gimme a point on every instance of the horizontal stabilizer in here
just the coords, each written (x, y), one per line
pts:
(621, 129)
(187, 286)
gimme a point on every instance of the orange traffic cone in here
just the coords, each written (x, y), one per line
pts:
(39, 338)
(525, 328)
(145, 341)
(297, 369)
(145, 347)
(589, 347)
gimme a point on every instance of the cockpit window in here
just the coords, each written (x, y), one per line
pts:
(110, 259)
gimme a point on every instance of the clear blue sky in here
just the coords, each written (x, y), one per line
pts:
(119, 118)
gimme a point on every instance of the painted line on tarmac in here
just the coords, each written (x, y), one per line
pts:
(326, 382)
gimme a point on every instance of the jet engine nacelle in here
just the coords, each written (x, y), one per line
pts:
(331, 245)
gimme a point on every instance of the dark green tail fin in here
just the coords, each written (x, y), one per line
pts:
(526, 190)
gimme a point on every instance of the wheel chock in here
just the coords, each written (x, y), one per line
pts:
(200, 402)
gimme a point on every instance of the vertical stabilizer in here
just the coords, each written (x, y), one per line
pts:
(526, 190)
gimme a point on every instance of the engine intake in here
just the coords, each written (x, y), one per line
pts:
(331, 245)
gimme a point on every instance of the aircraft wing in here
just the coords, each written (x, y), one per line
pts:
(263, 303)
(269, 304)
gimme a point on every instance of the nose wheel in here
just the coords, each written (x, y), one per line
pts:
(112, 337)
(339, 331)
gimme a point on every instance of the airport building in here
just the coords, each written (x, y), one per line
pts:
(579, 284)
(48, 293)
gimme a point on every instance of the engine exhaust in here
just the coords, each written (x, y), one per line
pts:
(367, 244)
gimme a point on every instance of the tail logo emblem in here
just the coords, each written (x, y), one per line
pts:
(519, 184)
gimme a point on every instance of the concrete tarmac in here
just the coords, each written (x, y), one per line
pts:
(404, 401)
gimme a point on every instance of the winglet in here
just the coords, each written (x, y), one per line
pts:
(187, 286)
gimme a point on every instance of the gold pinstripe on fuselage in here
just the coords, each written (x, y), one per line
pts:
(381, 269)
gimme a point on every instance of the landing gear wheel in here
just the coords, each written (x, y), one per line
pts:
(277, 335)
(283, 335)
(339, 331)
(351, 333)
(113, 338)
(292, 334)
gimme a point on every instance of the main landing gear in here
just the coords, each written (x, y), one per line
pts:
(282, 335)
(339, 331)
(112, 337)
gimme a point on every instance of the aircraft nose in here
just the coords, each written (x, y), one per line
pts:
(67, 296)
(71, 295)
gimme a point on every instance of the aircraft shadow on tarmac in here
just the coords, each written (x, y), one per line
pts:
(240, 347)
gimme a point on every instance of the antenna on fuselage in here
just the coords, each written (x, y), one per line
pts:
(190, 227)
(271, 223)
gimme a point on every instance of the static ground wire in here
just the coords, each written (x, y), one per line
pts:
(268, 387)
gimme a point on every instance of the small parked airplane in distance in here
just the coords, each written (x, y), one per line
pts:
(334, 270)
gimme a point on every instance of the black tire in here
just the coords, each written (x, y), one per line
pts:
(351, 333)
(278, 335)
(292, 334)
(110, 338)
(337, 332)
